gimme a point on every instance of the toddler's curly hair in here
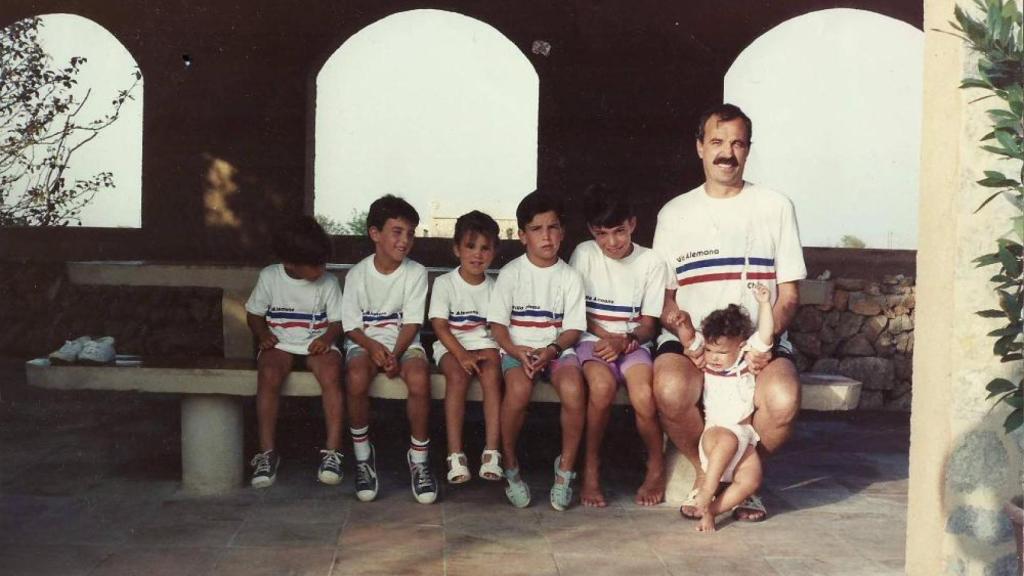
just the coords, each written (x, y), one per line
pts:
(730, 322)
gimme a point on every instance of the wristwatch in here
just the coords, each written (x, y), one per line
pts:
(558, 349)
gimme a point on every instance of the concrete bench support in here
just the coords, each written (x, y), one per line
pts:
(211, 443)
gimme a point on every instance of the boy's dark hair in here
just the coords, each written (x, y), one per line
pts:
(730, 322)
(537, 202)
(387, 207)
(476, 222)
(606, 206)
(302, 241)
(724, 113)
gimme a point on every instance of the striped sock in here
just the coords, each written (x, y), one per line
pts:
(361, 442)
(418, 450)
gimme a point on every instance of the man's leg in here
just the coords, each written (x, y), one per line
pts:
(327, 370)
(601, 388)
(776, 404)
(677, 388)
(639, 379)
(272, 367)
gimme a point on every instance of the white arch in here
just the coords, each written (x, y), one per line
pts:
(835, 97)
(118, 148)
(431, 105)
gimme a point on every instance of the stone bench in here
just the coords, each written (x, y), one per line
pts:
(211, 390)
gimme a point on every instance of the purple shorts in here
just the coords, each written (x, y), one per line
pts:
(585, 351)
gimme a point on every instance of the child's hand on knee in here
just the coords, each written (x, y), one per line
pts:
(319, 346)
(470, 362)
(267, 341)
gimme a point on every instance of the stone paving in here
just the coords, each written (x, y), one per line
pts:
(88, 486)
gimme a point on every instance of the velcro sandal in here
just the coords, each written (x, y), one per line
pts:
(458, 472)
(561, 492)
(517, 491)
(490, 465)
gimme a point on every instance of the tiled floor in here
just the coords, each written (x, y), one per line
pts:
(88, 485)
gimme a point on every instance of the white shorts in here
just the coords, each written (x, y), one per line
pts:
(746, 437)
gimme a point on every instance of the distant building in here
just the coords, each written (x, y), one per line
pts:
(443, 226)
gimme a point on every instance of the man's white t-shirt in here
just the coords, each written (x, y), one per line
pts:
(464, 306)
(380, 304)
(538, 304)
(619, 292)
(297, 311)
(716, 248)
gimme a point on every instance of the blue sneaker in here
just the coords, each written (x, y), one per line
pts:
(367, 483)
(264, 469)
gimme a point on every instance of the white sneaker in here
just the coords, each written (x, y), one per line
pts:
(99, 351)
(69, 352)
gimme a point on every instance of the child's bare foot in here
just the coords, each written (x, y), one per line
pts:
(652, 491)
(590, 493)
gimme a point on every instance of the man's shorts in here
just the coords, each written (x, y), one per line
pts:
(509, 362)
(640, 356)
(410, 353)
(676, 347)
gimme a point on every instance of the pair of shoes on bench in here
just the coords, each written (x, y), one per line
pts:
(85, 350)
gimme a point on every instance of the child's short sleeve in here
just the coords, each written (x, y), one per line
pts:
(351, 311)
(260, 300)
(575, 317)
(500, 308)
(335, 311)
(415, 299)
(440, 298)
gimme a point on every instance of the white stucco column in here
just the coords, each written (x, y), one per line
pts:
(962, 466)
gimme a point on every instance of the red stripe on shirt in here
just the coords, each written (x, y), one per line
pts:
(610, 318)
(296, 325)
(549, 324)
(465, 326)
(382, 324)
(726, 276)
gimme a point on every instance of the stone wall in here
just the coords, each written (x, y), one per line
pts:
(865, 331)
(41, 309)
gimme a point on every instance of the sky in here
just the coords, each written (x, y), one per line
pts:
(442, 109)
(108, 69)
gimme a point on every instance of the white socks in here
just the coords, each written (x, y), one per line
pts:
(361, 442)
(418, 450)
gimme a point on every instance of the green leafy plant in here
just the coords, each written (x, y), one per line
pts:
(996, 37)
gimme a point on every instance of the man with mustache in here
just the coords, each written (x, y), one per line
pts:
(718, 240)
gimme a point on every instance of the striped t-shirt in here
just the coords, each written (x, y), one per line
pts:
(297, 311)
(464, 306)
(537, 304)
(715, 248)
(380, 304)
(619, 292)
